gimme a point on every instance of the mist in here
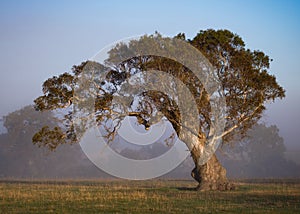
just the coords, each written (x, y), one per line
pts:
(261, 155)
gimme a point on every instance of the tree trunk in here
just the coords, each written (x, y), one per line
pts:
(211, 175)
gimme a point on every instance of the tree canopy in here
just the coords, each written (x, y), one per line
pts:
(246, 85)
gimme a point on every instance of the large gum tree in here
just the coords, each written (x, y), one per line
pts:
(244, 80)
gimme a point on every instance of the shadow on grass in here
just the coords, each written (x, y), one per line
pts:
(186, 188)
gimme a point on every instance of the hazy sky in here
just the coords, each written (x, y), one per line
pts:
(39, 40)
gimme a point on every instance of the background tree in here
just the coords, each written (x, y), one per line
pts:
(19, 158)
(243, 74)
(261, 154)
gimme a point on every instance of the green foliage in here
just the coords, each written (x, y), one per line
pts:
(243, 73)
(51, 138)
(246, 86)
(58, 92)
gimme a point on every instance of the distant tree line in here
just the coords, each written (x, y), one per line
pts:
(260, 155)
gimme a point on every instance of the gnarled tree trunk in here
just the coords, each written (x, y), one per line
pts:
(211, 175)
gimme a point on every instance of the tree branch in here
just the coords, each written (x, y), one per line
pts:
(237, 125)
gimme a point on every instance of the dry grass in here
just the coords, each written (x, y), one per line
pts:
(159, 196)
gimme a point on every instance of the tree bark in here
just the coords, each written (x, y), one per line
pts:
(211, 175)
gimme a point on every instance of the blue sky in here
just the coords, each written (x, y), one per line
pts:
(40, 39)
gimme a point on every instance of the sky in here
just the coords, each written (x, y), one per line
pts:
(40, 39)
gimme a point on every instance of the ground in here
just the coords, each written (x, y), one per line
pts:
(154, 196)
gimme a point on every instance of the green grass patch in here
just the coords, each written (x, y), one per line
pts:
(154, 196)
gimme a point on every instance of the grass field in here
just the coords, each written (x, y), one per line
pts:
(155, 196)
